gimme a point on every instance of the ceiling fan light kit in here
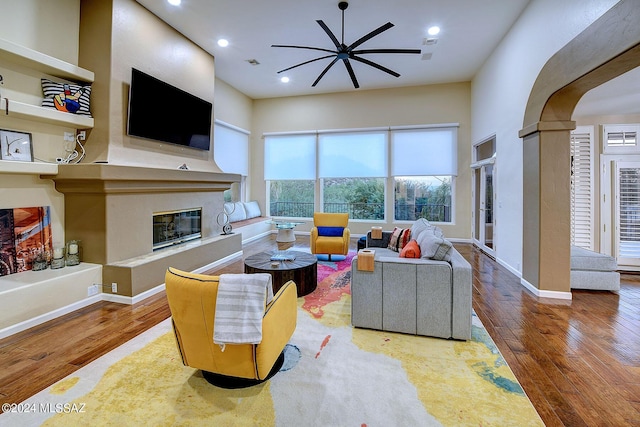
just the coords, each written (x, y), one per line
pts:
(348, 53)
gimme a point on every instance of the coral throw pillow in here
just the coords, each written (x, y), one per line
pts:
(410, 250)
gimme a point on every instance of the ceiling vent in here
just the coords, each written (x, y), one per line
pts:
(430, 41)
(426, 56)
(253, 61)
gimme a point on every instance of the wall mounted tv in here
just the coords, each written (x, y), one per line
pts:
(162, 112)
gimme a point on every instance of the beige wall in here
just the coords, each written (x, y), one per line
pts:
(446, 103)
(138, 39)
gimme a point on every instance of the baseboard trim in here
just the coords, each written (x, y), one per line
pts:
(545, 294)
(121, 299)
(515, 272)
(35, 321)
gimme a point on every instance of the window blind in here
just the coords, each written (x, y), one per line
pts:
(581, 190)
(288, 157)
(424, 152)
(352, 155)
(231, 148)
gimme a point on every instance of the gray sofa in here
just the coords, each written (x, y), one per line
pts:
(418, 296)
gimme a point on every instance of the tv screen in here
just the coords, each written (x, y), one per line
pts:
(162, 112)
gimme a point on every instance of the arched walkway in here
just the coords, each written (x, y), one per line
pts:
(606, 49)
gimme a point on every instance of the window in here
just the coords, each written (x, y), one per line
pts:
(290, 172)
(352, 171)
(424, 166)
(353, 167)
(621, 138)
(582, 205)
(231, 154)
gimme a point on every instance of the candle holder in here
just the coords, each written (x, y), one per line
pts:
(40, 262)
(58, 260)
(73, 252)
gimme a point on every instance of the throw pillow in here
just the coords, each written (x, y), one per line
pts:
(235, 211)
(252, 209)
(399, 238)
(67, 97)
(435, 247)
(419, 226)
(330, 231)
(410, 250)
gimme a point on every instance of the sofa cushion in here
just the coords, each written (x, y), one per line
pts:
(410, 250)
(330, 231)
(399, 238)
(235, 211)
(584, 259)
(435, 247)
(252, 209)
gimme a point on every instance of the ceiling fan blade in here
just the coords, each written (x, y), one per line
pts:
(374, 65)
(329, 33)
(351, 73)
(372, 34)
(303, 47)
(365, 51)
(306, 62)
(324, 72)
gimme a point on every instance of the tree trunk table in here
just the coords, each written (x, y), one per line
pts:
(303, 270)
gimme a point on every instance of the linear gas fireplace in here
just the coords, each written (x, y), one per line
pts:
(175, 227)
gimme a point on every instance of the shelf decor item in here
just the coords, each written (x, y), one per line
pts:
(58, 260)
(16, 146)
(40, 262)
(73, 252)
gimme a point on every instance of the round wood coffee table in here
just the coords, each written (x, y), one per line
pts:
(303, 270)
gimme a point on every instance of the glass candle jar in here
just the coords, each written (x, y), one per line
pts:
(73, 252)
(58, 260)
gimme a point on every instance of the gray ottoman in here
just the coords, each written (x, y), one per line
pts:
(592, 270)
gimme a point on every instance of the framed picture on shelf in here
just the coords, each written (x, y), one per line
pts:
(16, 146)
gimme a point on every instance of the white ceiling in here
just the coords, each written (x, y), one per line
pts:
(471, 29)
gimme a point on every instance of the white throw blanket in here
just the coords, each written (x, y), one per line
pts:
(240, 306)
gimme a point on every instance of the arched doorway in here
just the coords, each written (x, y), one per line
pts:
(606, 49)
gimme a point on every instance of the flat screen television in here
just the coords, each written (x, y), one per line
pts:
(162, 112)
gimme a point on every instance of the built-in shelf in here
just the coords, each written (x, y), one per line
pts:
(21, 110)
(42, 62)
(28, 168)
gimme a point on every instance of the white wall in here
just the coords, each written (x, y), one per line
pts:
(499, 95)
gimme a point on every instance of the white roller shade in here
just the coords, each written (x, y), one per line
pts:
(424, 152)
(231, 149)
(352, 155)
(289, 157)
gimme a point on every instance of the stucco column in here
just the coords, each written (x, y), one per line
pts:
(546, 203)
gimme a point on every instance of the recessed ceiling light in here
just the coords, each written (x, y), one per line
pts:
(284, 79)
(174, 2)
(223, 42)
(435, 30)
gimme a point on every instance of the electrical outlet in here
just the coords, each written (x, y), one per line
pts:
(93, 290)
(82, 135)
(114, 287)
(68, 136)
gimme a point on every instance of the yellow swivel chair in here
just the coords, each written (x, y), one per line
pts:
(330, 234)
(192, 301)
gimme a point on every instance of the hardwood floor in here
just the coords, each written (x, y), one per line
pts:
(578, 361)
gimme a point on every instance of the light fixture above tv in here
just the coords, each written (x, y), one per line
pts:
(162, 112)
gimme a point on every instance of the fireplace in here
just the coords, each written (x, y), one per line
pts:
(175, 227)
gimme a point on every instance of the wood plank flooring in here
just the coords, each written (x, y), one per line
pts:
(578, 361)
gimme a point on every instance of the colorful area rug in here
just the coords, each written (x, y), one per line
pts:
(333, 375)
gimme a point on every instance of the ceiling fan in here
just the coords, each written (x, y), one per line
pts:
(347, 53)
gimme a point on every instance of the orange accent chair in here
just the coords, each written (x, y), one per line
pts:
(192, 301)
(330, 234)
